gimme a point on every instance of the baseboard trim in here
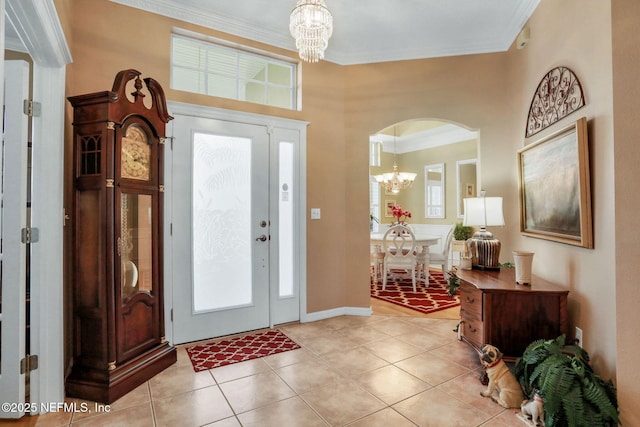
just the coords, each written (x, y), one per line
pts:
(335, 312)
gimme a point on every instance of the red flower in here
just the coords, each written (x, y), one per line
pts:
(399, 213)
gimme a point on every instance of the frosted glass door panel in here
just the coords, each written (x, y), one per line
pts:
(285, 220)
(220, 254)
(235, 207)
(221, 192)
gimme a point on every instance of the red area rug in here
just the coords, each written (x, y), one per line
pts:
(239, 349)
(426, 300)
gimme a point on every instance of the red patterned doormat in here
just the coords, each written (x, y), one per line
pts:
(426, 300)
(239, 349)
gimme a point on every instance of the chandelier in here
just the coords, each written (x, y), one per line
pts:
(393, 182)
(311, 24)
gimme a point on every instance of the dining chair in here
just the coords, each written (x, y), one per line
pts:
(441, 258)
(377, 260)
(423, 258)
(399, 246)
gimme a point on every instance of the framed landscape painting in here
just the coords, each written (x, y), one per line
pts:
(555, 190)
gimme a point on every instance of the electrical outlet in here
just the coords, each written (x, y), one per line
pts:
(579, 337)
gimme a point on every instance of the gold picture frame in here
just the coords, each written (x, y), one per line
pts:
(555, 188)
(388, 203)
(470, 190)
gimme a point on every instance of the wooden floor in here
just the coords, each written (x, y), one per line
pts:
(389, 309)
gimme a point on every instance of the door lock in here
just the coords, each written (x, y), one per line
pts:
(262, 238)
(263, 223)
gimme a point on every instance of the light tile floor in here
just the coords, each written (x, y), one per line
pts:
(351, 371)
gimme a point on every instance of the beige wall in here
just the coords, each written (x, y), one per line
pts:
(142, 41)
(626, 93)
(589, 274)
(413, 199)
(467, 90)
(447, 155)
(491, 93)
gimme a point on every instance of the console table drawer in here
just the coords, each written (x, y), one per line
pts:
(473, 331)
(470, 302)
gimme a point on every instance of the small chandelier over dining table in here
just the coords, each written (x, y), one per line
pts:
(311, 24)
(393, 182)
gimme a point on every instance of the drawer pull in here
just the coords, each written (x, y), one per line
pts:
(471, 300)
(474, 330)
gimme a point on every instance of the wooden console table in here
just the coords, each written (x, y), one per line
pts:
(495, 310)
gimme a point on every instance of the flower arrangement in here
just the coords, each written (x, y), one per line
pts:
(400, 214)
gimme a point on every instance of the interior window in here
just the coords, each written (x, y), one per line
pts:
(217, 70)
(434, 185)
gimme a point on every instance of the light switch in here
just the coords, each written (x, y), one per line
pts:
(315, 213)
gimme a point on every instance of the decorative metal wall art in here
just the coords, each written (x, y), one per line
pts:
(558, 95)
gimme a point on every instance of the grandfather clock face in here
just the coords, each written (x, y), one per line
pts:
(135, 158)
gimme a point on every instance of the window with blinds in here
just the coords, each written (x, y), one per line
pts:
(212, 69)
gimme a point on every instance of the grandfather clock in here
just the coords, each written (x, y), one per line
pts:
(118, 301)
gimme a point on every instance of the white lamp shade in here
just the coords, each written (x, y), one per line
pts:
(483, 211)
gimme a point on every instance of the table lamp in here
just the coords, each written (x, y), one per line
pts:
(482, 212)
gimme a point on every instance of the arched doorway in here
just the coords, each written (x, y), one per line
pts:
(444, 158)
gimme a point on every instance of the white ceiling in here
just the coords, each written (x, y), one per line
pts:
(366, 31)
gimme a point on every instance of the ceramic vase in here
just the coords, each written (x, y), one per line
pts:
(523, 261)
(465, 262)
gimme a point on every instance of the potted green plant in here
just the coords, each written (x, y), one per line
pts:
(572, 393)
(462, 232)
(453, 282)
(372, 219)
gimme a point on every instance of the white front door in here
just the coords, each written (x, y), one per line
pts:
(220, 232)
(13, 219)
(234, 237)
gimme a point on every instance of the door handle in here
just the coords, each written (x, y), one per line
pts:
(262, 238)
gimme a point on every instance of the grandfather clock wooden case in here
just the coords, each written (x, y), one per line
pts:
(118, 302)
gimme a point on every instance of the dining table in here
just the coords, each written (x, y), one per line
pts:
(423, 240)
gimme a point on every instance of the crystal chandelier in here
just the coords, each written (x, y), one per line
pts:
(311, 24)
(393, 182)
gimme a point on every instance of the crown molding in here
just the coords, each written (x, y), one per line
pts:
(436, 137)
(219, 22)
